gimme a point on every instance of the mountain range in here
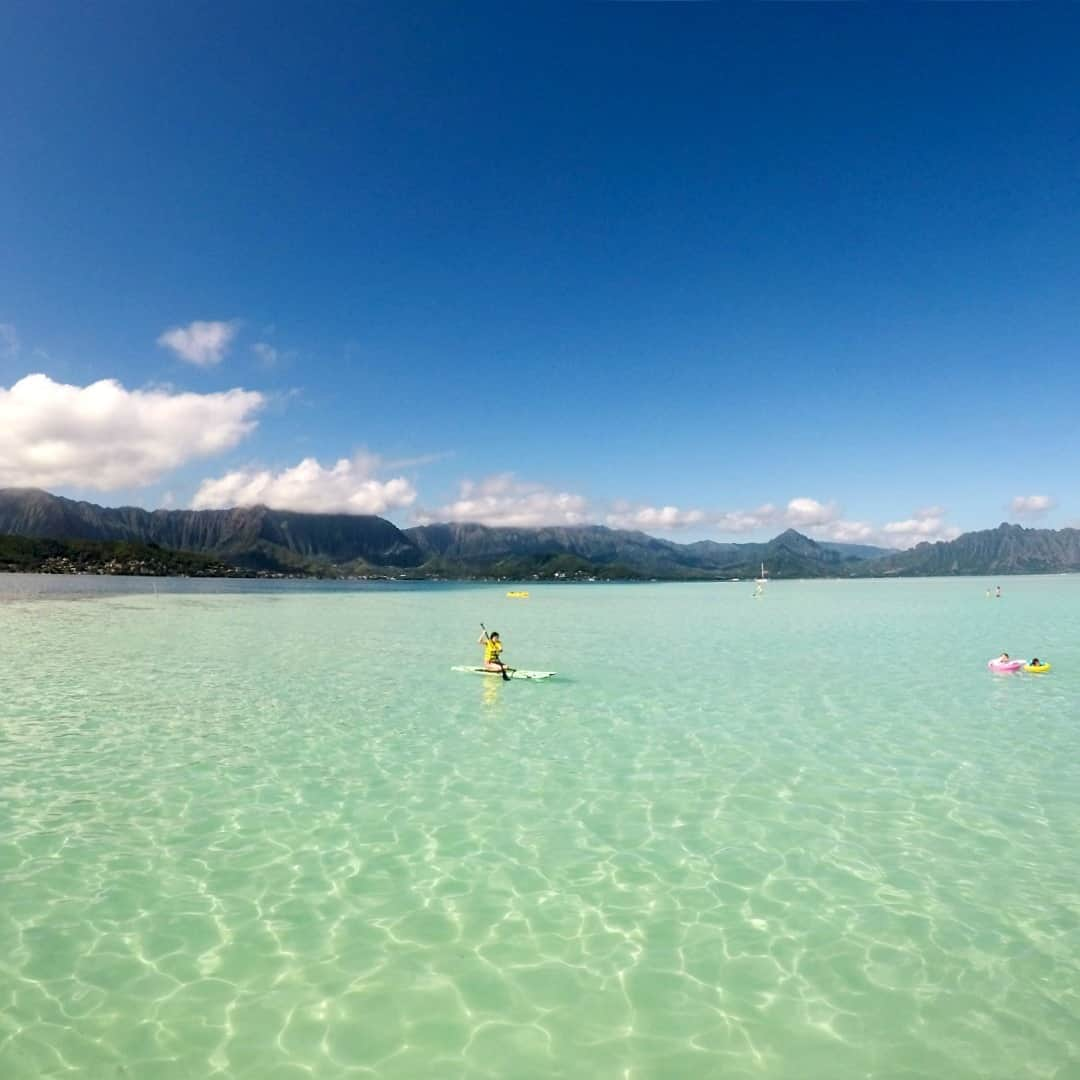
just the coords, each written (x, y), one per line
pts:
(252, 537)
(259, 538)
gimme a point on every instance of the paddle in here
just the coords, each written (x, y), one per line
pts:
(502, 666)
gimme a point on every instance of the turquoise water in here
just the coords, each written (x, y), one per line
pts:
(266, 832)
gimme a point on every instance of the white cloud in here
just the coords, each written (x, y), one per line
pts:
(9, 341)
(926, 525)
(503, 500)
(822, 521)
(347, 487)
(201, 343)
(104, 437)
(418, 459)
(266, 353)
(744, 521)
(800, 513)
(652, 517)
(1031, 506)
(806, 513)
(850, 532)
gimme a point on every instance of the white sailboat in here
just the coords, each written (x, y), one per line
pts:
(760, 583)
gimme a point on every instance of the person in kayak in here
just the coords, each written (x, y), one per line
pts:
(492, 650)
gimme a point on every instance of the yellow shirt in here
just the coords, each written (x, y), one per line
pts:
(491, 650)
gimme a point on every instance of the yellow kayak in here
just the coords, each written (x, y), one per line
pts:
(1037, 669)
(519, 595)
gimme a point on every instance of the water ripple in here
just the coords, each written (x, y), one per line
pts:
(234, 843)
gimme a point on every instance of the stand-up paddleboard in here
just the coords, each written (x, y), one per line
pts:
(514, 673)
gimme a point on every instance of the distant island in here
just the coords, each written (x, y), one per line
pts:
(41, 532)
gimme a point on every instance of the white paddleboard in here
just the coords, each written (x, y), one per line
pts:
(514, 673)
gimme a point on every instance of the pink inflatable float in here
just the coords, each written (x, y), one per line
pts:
(1006, 665)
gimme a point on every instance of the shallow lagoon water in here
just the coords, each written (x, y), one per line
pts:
(264, 831)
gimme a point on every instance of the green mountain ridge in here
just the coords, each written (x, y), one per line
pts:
(251, 537)
(1008, 549)
(278, 541)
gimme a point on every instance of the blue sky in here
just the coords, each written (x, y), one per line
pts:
(705, 270)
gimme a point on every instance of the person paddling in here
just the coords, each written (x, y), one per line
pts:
(492, 652)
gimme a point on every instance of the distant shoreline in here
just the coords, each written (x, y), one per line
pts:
(240, 574)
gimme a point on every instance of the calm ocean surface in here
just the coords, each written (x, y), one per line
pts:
(264, 831)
